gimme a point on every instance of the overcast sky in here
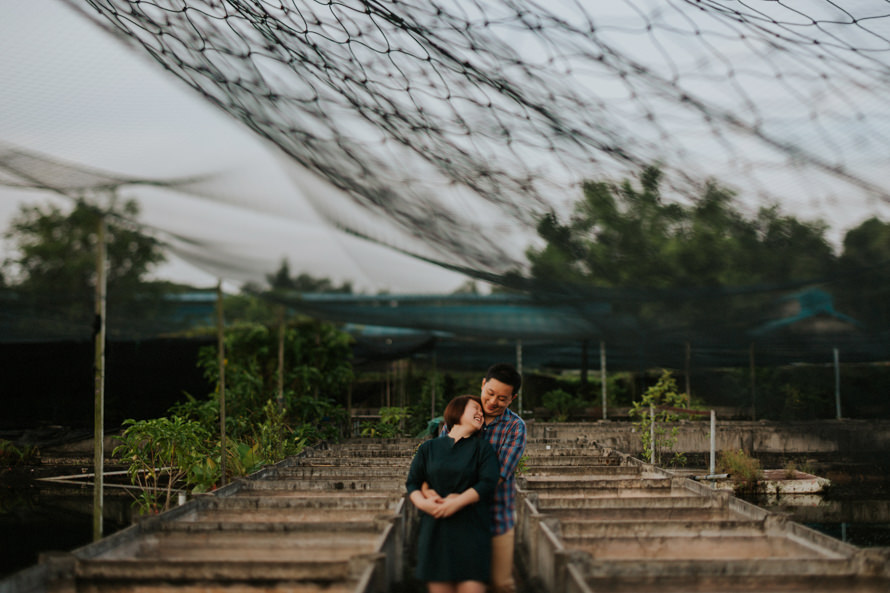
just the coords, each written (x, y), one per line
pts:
(73, 93)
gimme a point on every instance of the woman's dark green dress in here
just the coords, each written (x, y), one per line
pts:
(456, 548)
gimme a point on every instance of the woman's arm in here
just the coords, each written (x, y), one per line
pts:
(423, 503)
(453, 503)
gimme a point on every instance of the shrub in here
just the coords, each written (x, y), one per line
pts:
(664, 394)
(390, 425)
(11, 455)
(163, 453)
(561, 404)
(743, 469)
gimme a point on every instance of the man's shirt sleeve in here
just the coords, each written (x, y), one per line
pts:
(512, 447)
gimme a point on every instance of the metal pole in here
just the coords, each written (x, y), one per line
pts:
(433, 389)
(603, 375)
(519, 369)
(837, 382)
(221, 361)
(713, 465)
(99, 380)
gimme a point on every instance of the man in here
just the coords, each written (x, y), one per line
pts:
(505, 430)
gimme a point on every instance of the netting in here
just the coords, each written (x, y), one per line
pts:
(450, 127)
(446, 130)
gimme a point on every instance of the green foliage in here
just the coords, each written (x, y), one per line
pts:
(522, 465)
(243, 458)
(275, 439)
(865, 260)
(163, 454)
(56, 251)
(420, 410)
(53, 271)
(797, 392)
(561, 404)
(664, 394)
(630, 235)
(316, 367)
(391, 423)
(744, 470)
(10, 455)
(171, 454)
(622, 235)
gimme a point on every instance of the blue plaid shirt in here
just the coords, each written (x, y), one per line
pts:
(506, 433)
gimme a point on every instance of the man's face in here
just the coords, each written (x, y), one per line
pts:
(496, 396)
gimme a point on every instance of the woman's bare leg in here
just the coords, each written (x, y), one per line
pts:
(435, 587)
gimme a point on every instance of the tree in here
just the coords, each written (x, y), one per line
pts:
(676, 264)
(56, 251)
(54, 266)
(624, 236)
(864, 265)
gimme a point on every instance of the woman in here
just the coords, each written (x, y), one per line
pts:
(454, 539)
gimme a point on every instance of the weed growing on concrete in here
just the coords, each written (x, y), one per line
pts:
(743, 469)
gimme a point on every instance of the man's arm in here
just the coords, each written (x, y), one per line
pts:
(430, 493)
(510, 452)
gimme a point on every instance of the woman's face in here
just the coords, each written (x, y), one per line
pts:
(472, 417)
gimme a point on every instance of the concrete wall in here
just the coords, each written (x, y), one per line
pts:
(843, 437)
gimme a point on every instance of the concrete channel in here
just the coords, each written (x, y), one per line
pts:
(330, 520)
(592, 519)
(334, 519)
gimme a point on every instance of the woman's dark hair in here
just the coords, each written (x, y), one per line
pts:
(455, 409)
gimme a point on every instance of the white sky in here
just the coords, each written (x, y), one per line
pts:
(70, 91)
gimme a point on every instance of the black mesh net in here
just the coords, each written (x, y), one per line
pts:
(435, 118)
(446, 130)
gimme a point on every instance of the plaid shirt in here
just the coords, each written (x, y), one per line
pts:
(506, 433)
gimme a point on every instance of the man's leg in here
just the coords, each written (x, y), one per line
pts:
(502, 563)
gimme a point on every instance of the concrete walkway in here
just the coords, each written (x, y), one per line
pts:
(331, 520)
(593, 519)
(590, 519)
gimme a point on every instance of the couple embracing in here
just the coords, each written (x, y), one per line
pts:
(464, 484)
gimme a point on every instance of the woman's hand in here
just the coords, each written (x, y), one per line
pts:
(454, 502)
(427, 505)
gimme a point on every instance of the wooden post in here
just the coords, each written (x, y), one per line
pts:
(651, 434)
(433, 388)
(221, 361)
(99, 381)
(837, 382)
(519, 370)
(584, 364)
(688, 371)
(281, 331)
(753, 382)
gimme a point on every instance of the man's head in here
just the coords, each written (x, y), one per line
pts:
(499, 388)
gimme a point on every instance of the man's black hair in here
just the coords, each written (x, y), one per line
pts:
(505, 373)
